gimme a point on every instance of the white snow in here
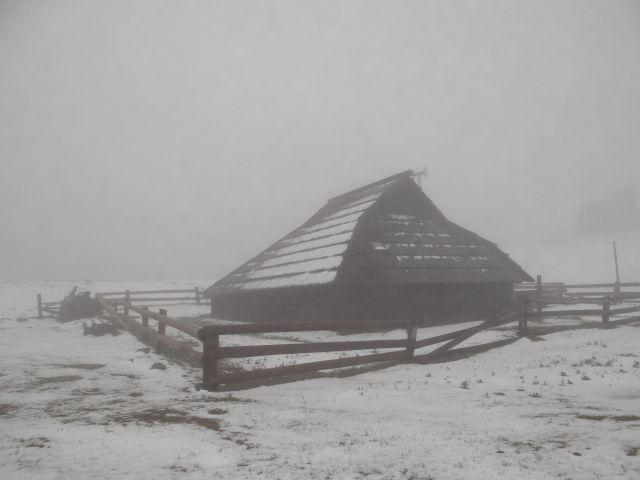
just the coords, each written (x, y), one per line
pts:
(306, 255)
(305, 278)
(313, 244)
(348, 219)
(324, 263)
(352, 208)
(327, 232)
(563, 406)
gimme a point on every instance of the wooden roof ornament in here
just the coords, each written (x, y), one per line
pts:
(387, 232)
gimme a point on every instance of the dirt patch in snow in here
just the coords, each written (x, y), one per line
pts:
(52, 380)
(82, 366)
(633, 451)
(6, 408)
(163, 416)
(615, 418)
(34, 442)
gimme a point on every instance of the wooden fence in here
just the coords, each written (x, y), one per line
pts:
(528, 307)
(145, 296)
(52, 308)
(563, 292)
(156, 338)
(117, 299)
(213, 352)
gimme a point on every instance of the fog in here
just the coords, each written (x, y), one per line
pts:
(159, 139)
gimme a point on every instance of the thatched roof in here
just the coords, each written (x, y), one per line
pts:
(385, 232)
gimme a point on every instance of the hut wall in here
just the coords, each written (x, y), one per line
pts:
(429, 303)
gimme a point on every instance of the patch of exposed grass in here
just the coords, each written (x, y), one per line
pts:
(217, 411)
(85, 392)
(82, 366)
(163, 416)
(616, 418)
(59, 379)
(5, 408)
(231, 399)
(126, 375)
(34, 442)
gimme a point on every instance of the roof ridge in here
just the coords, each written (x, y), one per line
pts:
(370, 185)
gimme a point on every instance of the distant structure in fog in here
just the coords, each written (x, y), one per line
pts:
(383, 251)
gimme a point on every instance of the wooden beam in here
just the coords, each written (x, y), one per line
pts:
(304, 368)
(507, 316)
(250, 328)
(145, 292)
(191, 330)
(291, 348)
(603, 285)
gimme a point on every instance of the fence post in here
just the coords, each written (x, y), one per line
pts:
(522, 322)
(145, 318)
(606, 305)
(539, 296)
(412, 334)
(162, 326)
(197, 292)
(127, 302)
(616, 288)
(210, 361)
(39, 305)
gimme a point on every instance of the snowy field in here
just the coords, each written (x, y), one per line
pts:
(566, 405)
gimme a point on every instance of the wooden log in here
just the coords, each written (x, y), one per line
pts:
(39, 299)
(305, 368)
(162, 324)
(292, 348)
(250, 328)
(189, 329)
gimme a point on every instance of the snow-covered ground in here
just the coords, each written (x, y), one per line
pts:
(566, 405)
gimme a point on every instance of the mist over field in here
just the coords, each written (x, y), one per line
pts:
(172, 307)
(153, 139)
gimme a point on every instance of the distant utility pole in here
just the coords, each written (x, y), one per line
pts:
(615, 258)
(417, 176)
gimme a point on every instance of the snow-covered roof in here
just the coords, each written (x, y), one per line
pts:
(384, 232)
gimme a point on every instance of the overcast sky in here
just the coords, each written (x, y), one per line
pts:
(160, 139)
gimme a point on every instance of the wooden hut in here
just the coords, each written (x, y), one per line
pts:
(383, 251)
